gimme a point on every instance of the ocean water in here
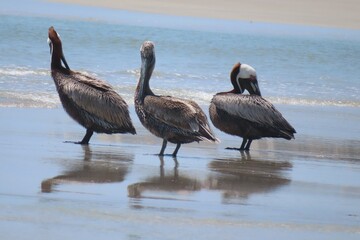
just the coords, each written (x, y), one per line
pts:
(114, 188)
(295, 64)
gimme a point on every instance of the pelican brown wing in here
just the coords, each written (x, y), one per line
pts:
(203, 122)
(254, 109)
(184, 115)
(97, 98)
(173, 112)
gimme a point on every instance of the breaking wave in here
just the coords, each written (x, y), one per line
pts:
(51, 100)
(22, 71)
(29, 100)
(28, 87)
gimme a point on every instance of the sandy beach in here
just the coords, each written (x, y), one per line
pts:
(333, 13)
(117, 188)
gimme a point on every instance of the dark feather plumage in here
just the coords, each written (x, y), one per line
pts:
(247, 116)
(172, 119)
(93, 103)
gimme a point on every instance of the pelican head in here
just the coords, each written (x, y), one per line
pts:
(147, 52)
(243, 77)
(56, 52)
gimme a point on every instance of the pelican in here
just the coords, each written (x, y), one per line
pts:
(173, 119)
(91, 102)
(247, 116)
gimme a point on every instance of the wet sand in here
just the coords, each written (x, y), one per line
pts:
(330, 13)
(116, 187)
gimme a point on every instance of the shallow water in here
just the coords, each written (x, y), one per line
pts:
(118, 188)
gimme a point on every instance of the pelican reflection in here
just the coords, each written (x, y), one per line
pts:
(164, 183)
(95, 167)
(238, 178)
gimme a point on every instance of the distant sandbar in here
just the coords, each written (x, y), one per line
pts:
(325, 13)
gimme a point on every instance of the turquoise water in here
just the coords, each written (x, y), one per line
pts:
(295, 64)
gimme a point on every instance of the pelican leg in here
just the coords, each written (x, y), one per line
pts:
(87, 137)
(242, 147)
(176, 149)
(247, 148)
(163, 148)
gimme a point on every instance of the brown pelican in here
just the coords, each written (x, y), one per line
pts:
(91, 102)
(247, 116)
(172, 119)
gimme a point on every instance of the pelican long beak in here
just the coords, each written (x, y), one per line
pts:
(50, 45)
(252, 86)
(148, 63)
(255, 88)
(147, 67)
(64, 61)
